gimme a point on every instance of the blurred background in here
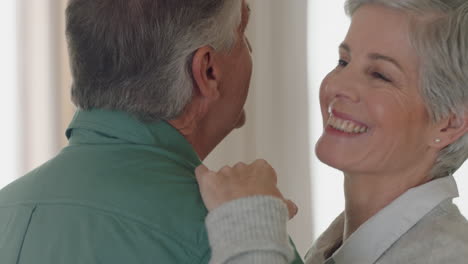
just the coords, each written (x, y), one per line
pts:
(295, 44)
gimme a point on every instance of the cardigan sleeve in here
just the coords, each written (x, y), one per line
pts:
(250, 230)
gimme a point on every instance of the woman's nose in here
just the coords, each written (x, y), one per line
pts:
(343, 85)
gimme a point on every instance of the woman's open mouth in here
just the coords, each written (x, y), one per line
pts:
(347, 126)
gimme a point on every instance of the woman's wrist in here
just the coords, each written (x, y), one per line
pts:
(256, 223)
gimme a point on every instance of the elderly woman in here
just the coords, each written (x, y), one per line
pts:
(394, 122)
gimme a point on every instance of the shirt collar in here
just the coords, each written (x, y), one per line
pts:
(126, 128)
(381, 231)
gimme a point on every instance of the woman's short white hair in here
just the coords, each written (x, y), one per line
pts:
(440, 36)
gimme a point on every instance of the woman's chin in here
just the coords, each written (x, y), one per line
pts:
(241, 120)
(330, 162)
(328, 157)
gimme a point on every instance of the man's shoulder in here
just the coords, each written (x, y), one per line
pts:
(87, 172)
(142, 181)
(139, 187)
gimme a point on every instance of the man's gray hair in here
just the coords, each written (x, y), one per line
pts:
(440, 36)
(135, 55)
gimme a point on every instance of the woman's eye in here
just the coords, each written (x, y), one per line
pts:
(342, 63)
(381, 77)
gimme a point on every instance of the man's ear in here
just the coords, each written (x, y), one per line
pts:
(206, 78)
(450, 130)
(206, 73)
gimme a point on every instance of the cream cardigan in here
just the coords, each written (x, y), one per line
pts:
(421, 226)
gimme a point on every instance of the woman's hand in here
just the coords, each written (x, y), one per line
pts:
(240, 181)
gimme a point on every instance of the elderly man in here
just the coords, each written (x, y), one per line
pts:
(158, 84)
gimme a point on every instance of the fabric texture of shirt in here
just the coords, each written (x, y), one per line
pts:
(422, 226)
(122, 191)
(251, 230)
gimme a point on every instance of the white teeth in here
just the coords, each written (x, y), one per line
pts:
(338, 123)
(350, 127)
(346, 125)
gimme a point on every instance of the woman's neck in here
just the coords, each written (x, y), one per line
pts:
(367, 194)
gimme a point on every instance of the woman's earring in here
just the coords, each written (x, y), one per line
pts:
(437, 140)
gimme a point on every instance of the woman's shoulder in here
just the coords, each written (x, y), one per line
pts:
(445, 222)
(441, 236)
(444, 225)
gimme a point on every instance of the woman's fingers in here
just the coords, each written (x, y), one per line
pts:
(200, 171)
(207, 184)
(292, 208)
(239, 181)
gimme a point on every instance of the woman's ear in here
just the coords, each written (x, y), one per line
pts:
(450, 130)
(206, 73)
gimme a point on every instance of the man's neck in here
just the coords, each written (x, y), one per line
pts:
(200, 137)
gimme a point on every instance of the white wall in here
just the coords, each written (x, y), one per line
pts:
(277, 108)
(8, 108)
(327, 27)
(462, 180)
(38, 84)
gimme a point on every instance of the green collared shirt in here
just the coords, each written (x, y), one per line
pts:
(122, 191)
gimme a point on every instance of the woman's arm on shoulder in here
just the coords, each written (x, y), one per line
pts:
(250, 230)
(248, 214)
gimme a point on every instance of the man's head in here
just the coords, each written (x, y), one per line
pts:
(136, 55)
(221, 81)
(186, 61)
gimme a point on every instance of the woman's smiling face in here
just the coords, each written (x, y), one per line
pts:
(374, 117)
